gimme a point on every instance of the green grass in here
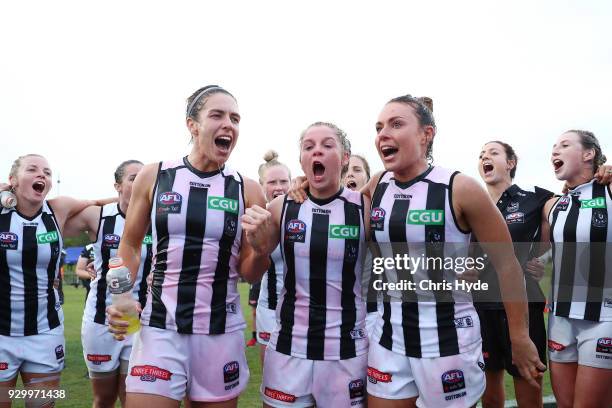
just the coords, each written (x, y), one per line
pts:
(77, 386)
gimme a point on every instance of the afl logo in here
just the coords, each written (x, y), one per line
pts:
(377, 214)
(170, 198)
(296, 231)
(453, 380)
(8, 240)
(564, 202)
(296, 227)
(604, 345)
(231, 371)
(111, 238)
(169, 203)
(377, 219)
(356, 389)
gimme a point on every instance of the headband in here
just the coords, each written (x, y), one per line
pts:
(199, 96)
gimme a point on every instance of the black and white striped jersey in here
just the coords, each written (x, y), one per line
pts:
(582, 259)
(110, 230)
(272, 281)
(29, 263)
(409, 218)
(196, 242)
(321, 312)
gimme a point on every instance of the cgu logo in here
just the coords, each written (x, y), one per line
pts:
(453, 376)
(598, 202)
(47, 237)
(344, 231)
(223, 204)
(296, 226)
(377, 214)
(425, 217)
(147, 240)
(8, 237)
(111, 238)
(169, 198)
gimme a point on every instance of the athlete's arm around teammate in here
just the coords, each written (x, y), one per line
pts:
(475, 210)
(580, 323)
(31, 318)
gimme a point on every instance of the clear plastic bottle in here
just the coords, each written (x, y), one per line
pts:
(120, 286)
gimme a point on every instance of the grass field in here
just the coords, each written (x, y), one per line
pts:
(77, 386)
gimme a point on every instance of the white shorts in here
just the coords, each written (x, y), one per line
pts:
(297, 382)
(370, 322)
(102, 353)
(265, 324)
(582, 341)
(452, 381)
(39, 354)
(209, 368)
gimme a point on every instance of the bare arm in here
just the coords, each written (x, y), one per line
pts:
(476, 211)
(368, 189)
(65, 208)
(367, 204)
(255, 252)
(137, 218)
(85, 221)
(81, 268)
(545, 227)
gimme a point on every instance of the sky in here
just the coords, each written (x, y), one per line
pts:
(90, 84)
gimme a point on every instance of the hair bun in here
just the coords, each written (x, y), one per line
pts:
(270, 155)
(427, 101)
(602, 160)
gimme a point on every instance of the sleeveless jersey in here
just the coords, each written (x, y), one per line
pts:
(409, 218)
(321, 312)
(29, 263)
(582, 258)
(196, 241)
(272, 281)
(110, 229)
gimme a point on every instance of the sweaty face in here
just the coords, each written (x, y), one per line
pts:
(400, 139)
(321, 157)
(275, 182)
(493, 165)
(356, 176)
(125, 187)
(217, 127)
(33, 179)
(568, 156)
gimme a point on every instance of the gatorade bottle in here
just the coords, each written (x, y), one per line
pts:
(120, 286)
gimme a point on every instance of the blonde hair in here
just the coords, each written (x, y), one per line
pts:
(345, 143)
(270, 158)
(17, 163)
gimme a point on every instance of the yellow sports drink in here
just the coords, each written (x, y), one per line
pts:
(120, 285)
(133, 323)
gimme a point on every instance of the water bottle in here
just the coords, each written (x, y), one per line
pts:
(8, 199)
(120, 286)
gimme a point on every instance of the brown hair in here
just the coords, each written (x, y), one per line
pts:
(423, 109)
(366, 166)
(196, 101)
(120, 171)
(589, 141)
(510, 155)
